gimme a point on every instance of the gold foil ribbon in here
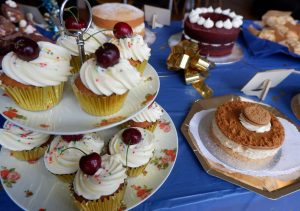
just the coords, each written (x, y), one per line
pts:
(185, 56)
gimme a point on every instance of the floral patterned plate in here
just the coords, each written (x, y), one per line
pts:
(68, 118)
(32, 187)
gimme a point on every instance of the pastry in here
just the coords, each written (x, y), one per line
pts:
(105, 16)
(135, 147)
(215, 30)
(147, 119)
(24, 144)
(99, 184)
(92, 40)
(63, 154)
(132, 47)
(34, 73)
(104, 82)
(247, 131)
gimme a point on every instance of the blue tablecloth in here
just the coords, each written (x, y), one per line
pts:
(189, 187)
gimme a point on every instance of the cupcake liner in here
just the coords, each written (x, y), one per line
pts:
(36, 98)
(76, 64)
(67, 178)
(27, 155)
(140, 66)
(109, 203)
(99, 105)
(134, 172)
(151, 128)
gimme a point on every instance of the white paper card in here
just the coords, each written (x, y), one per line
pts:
(256, 85)
(162, 16)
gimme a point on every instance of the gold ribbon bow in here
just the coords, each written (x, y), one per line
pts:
(196, 68)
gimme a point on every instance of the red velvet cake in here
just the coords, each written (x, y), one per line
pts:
(215, 30)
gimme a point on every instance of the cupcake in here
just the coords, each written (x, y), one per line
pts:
(24, 144)
(34, 74)
(92, 40)
(99, 187)
(64, 152)
(132, 47)
(103, 83)
(148, 119)
(135, 147)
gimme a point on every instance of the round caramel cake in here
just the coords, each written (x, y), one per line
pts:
(105, 16)
(247, 130)
(215, 30)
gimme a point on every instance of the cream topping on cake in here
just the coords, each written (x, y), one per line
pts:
(255, 128)
(116, 79)
(133, 48)
(58, 160)
(244, 151)
(151, 114)
(195, 17)
(93, 39)
(137, 154)
(51, 68)
(104, 182)
(16, 138)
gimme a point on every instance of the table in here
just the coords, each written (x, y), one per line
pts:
(189, 187)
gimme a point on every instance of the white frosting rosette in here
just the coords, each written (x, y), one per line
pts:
(104, 182)
(59, 159)
(134, 48)
(15, 138)
(93, 39)
(117, 79)
(51, 68)
(151, 114)
(134, 155)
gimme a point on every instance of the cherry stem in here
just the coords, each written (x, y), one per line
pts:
(73, 148)
(70, 11)
(92, 35)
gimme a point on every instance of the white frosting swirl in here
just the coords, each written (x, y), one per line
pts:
(218, 10)
(51, 68)
(138, 154)
(151, 114)
(208, 23)
(255, 128)
(195, 17)
(104, 182)
(92, 42)
(228, 24)
(219, 24)
(58, 161)
(201, 21)
(116, 79)
(15, 138)
(133, 48)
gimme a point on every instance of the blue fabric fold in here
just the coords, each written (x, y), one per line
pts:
(261, 47)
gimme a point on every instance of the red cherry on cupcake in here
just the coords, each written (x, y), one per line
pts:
(89, 164)
(26, 49)
(72, 24)
(107, 55)
(122, 30)
(69, 138)
(131, 136)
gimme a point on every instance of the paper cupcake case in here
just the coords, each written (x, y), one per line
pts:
(111, 202)
(29, 155)
(76, 64)
(99, 105)
(36, 98)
